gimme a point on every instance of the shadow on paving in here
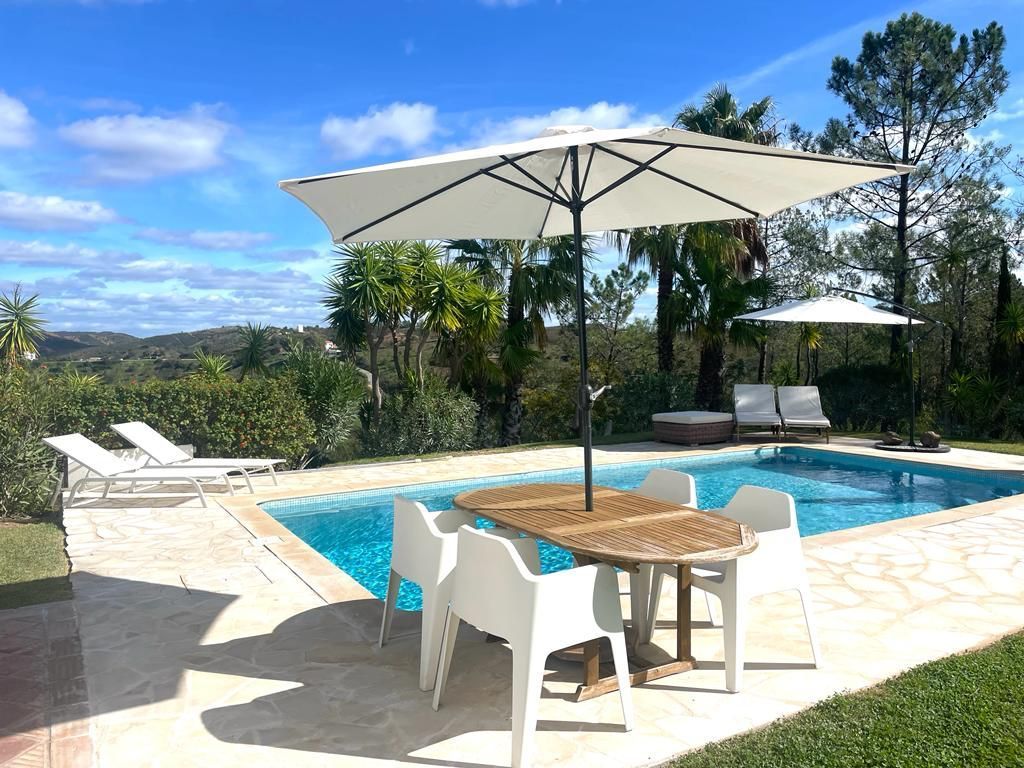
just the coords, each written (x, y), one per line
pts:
(356, 699)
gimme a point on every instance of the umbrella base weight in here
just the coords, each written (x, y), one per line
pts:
(904, 448)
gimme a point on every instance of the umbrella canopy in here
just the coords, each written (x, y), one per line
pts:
(572, 179)
(827, 309)
(628, 178)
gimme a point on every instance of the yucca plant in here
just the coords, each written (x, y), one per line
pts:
(75, 379)
(211, 366)
(21, 326)
(254, 351)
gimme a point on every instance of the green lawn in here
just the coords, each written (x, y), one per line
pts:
(996, 446)
(965, 710)
(33, 564)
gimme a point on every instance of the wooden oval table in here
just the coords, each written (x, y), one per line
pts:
(626, 530)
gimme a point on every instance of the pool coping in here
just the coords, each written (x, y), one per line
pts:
(332, 584)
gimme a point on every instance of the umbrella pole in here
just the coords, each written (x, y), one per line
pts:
(910, 375)
(586, 402)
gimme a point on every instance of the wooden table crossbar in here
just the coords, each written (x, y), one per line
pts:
(624, 529)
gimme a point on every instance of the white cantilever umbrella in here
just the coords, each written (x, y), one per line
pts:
(836, 309)
(573, 179)
(827, 309)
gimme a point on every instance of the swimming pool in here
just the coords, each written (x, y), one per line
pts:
(832, 491)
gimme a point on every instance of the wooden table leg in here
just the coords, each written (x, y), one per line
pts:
(595, 685)
(684, 646)
(591, 663)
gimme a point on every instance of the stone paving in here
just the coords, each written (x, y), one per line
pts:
(214, 637)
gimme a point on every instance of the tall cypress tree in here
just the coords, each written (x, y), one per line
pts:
(999, 360)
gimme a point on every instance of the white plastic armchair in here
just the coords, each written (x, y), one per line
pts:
(777, 565)
(675, 488)
(424, 551)
(497, 591)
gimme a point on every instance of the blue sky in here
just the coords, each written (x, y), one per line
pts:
(141, 141)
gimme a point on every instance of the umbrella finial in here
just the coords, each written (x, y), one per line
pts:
(562, 130)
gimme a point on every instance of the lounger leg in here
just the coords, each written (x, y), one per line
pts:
(74, 490)
(248, 480)
(106, 488)
(227, 482)
(273, 474)
(199, 493)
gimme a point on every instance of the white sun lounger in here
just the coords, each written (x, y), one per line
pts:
(166, 454)
(104, 467)
(801, 409)
(755, 407)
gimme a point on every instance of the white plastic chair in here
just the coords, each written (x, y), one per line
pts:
(777, 565)
(675, 488)
(424, 551)
(497, 591)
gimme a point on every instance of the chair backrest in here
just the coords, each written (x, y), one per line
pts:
(95, 458)
(800, 402)
(494, 588)
(669, 485)
(150, 442)
(763, 509)
(423, 542)
(754, 398)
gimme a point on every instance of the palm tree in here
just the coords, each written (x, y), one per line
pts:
(254, 349)
(720, 115)
(21, 326)
(211, 366)
(657, 250)
(537, 277)
(811, 340)
(711, 295)
(1010, 334)
(364, 295)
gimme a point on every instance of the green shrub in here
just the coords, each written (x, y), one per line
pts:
(414, 421)
(28, 469)
(549, 413)
(333, 391)
(227, 418)
(642, 394)
(866, 397)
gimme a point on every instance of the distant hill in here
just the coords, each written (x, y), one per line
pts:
(110, 346)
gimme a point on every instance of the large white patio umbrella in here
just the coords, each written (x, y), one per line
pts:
(569, 180)
(836, 309)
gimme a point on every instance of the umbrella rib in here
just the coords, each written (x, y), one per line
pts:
(808, 156)
(532, 178)
(558, 183)
(586, 173)
(676, 179)
(524, 188)
(640, 168)
(429, 195)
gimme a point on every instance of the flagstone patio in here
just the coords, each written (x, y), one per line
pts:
(214, 637)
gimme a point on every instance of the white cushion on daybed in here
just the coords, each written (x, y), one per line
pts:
(692, 417)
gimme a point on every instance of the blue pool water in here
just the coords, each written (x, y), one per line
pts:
(832, 491)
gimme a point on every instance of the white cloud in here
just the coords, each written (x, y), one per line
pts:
(105, 104)
(52, 213)
(1015, 112)
(396, 126)
(601, 114)
(132, 148)
(35, 253)
(224, 240)
(16, 124)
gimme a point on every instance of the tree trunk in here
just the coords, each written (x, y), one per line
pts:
(709, 376)
(376, 396)
(762, 360)
(395, 352)
(1000, 351)
(666, 350)
(799, 351)
(424, 335)
(899, 293)
(512, 413)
